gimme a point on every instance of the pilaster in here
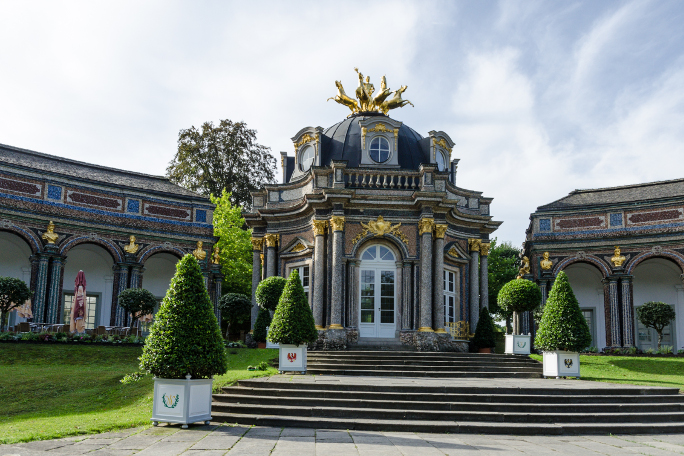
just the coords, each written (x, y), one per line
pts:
(474, 246)
(319, 228)
(426, 227)
(40, 295)
(337, 223)
(407, 308)
(271, 243)
(438, 279)
(614, 311)
(627, 311)
(55, 292)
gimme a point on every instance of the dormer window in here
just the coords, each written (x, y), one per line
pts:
(441, 161)
(306, 158)
(379, 149)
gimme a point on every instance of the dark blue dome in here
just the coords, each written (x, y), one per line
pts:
(342, 141)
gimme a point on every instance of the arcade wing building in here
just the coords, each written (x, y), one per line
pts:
(387, 246)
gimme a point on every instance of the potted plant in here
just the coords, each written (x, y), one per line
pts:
(184, 349)
(235, 308)
(261, 327)
(563, 332)
(138, 303)
(656, 315)
(518, 296)
(484, 333)
(293, 326)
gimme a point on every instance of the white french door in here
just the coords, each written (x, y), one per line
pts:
(377, 290)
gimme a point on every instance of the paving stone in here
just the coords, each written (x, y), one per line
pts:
(409, 443)
(45, 445)
(97, 440)
(331, 447)
(186, 436)
(295, 446)
(161, 430)
(298, 432)
(135, 442)
(334, 436)
(165, 449)
(111, 452)
(204, 453)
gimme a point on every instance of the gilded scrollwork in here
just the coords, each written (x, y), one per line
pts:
(379, 228)
(453, 252)
(307, 138)
(298, 248)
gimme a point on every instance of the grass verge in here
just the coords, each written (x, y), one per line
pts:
(667, 372)
(55, 391)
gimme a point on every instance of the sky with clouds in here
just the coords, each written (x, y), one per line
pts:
(541, 98)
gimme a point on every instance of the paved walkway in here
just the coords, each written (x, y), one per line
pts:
(215, 440)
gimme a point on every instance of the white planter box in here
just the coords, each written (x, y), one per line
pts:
(181, 401)
(268, 343)
(292, 358)
(561, 364)
(517, 344)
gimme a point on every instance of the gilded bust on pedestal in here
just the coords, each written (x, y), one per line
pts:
(199, 253)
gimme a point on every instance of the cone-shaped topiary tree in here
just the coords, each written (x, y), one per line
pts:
(484, 333)
(293, 323)
(268, 292)
(185, 337)
(517, 296)
(562, 326)
(262, 322)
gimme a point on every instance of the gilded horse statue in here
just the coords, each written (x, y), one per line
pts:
(395, 101)
(362, 92)
(383, 94)
(343, 99)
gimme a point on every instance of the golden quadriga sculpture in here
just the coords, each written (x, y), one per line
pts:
(366, 101)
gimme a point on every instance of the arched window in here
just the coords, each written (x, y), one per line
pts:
(306, 158)
(377, 290)
(441, 161)
(379, 149)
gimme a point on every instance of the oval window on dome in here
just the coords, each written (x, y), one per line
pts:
(441, 162)
(379, 149)
(306, 158)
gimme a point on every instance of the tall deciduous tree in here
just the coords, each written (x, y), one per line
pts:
(224, 156)
(234, 245)
(502, 267)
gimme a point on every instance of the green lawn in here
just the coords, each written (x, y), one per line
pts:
(53, 391)
(631, 369)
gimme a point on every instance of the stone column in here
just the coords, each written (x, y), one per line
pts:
(484, 275)
(337, 285)
(121, 283)
(614, 312)
(438, 281)
(319, 227)
(474, 245)
(425, 228)
(137, 276)
(352, 286)
(216, 292)
(40, 295)
(55, 292)
(257, 246)
(407, 308)
(627, 312)
(271, 242)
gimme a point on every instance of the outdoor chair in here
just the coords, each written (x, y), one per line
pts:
(24, 327)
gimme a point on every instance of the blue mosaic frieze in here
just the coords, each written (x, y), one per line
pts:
(616, 219)
(201, 216)
(544, 224)
(133, 206)
(54, 192)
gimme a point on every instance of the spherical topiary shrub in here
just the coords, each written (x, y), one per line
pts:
(268, 292)
(562, 326)
(235, 308)
(293, 322)
(261, 324)
(656, 315)
(13, 294)
(137, 302)
(484, 333)
(185, 337)
(519, 295)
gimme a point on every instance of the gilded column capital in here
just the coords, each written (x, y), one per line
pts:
(337, 222)
(319, 227)
(484, 248)
(474, 244)
(271, 239)
(440, 231)
(426, 225)
(257, 243)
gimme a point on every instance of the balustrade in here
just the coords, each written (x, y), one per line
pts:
(382, 179)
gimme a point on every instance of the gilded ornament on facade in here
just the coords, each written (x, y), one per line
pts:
(365, 101)
(381, 127)
(618, 258)
(257, 243)
(524, 267)
(199, 253)
(484, 248)
(440, 231)
(337, 222)
(298, 248)
(453, 252)
(474, 244)
(131, 247)
(307, 138)
(379, 228)
(441, 142)
(216, 256)
(319, 227)
(271, 239)
(50, 236)
(426, 225)
(545, 263)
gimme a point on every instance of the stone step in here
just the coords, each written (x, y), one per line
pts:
(422, 362)
(447, 405)
(234, 393)
(437, 415)
(470, 427)
(441, 374)
(489, 367)
(409, 354)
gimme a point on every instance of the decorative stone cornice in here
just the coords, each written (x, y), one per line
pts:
(319, 227)
(426, 225)
(337, 222)
(484, 248)
(474, 244)
(271, 239)
(257, 243)
(440, 231)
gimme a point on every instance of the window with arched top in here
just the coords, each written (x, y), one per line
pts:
(379, 149)
(441, 161)
(306, 158)
(378, 253)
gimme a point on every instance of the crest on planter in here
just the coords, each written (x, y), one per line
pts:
(568, 363)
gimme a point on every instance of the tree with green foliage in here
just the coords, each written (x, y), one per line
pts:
(235, 247)
(185, 337)
(562, 326)
(268, 292)
(503, 264)
(226, 156)
(484, 333)
(235, 308)
(656, 315)
(263, 321)
(137, 302)
(518, 296)
(293, 321)
(13, 294)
